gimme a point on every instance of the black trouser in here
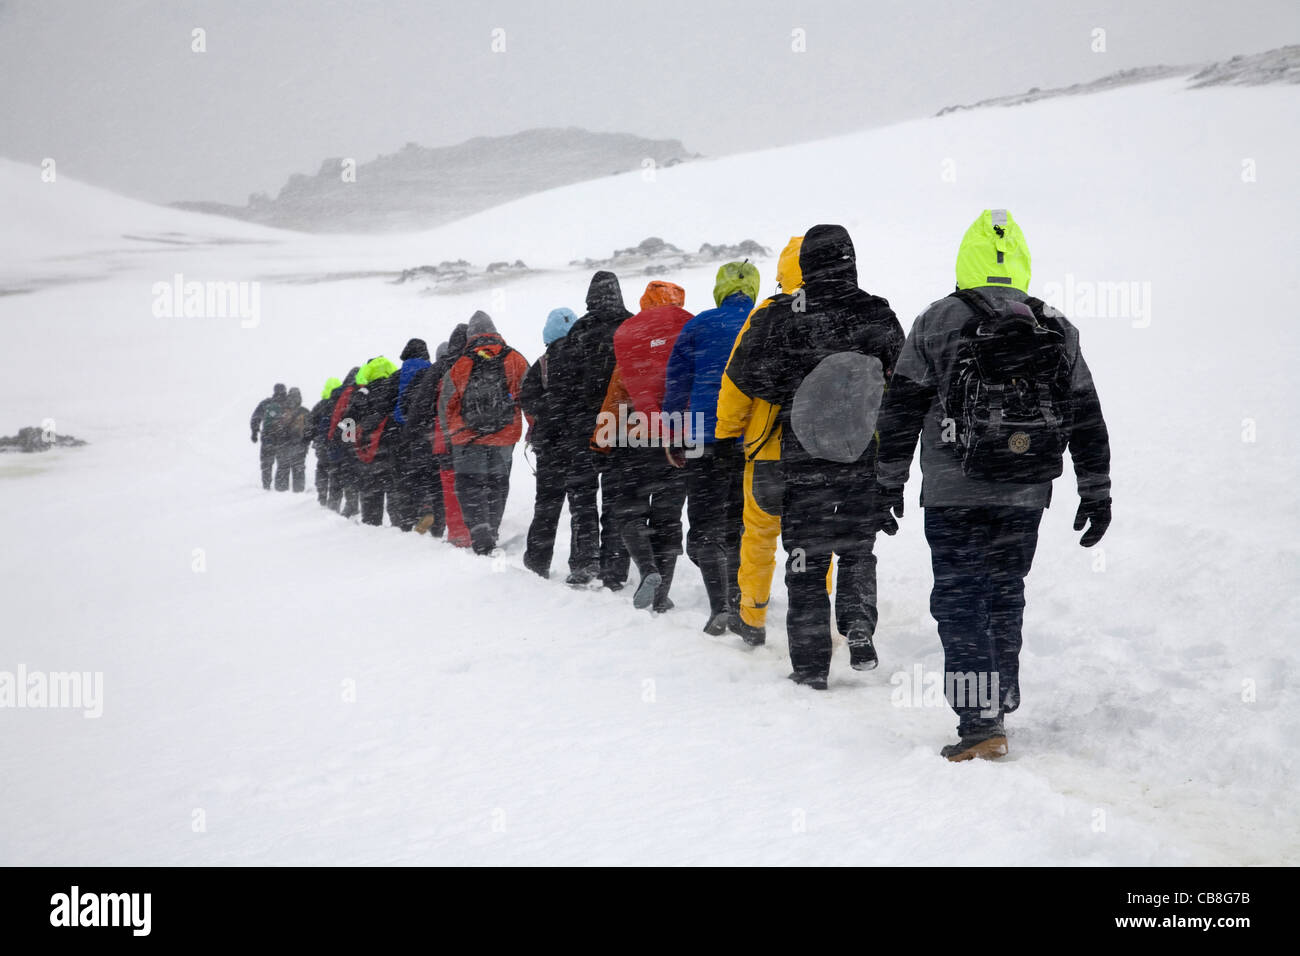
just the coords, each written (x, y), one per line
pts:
(291, 462)
(648, 494)
(374, 486)
(322, 478)
(823, 514)
(417, 485)
(614, 557)
(349, 479)
(980, 558)
(559, 477)
(482, 487)
(715, 503)
(267, 455)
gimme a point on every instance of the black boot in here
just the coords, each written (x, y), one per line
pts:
(862, 651)
(666, 565)
(751, 635)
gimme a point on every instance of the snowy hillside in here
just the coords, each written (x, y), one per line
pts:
(281, 686)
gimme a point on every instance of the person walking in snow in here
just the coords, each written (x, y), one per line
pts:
(647, 488)
(318, 421)
(561, 473)
(291, 457)
(416, 495)
(757, 425)
(995, 384)
(826, 365)
(715, 496)
(478, 405)
(580, 377)
(265, 423)
(371, 412)
(340, 436)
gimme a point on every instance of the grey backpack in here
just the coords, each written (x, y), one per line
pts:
(833, 414)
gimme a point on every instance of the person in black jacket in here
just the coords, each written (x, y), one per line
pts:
(982, 528)
(337, 434)
(579, 376)
(291, 458)
(559, 475)
(265, 423)
(824, 510)
(374, 437)
(318, 422)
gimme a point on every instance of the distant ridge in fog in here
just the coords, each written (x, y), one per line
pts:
(419, 188)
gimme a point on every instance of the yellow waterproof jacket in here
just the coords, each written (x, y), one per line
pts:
(738, 413)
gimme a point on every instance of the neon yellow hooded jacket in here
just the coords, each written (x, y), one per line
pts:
(993, 252)
(738, 413)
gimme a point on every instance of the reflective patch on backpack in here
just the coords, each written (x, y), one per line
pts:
(835, 407)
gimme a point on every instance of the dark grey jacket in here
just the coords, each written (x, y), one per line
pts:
(913, 404)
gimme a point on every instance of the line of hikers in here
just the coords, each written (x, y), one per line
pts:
(794, 418)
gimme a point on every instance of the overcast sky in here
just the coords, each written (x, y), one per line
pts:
(113, 92)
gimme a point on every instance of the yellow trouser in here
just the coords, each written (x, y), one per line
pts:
(758, 554)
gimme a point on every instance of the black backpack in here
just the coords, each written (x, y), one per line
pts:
(487, 405)
(1008, 394)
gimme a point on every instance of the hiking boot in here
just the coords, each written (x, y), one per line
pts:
(483, 539)
(424, 524)
(815, 681)
(987, 744)
(645, 591)
(717, 624)
(862, 652)
(581, 577)
(541, 572)
(751, 635)
(666, 566)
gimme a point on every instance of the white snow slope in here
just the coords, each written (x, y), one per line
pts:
(500, 718)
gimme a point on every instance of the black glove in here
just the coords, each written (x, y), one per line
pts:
(727, 448)
(254, 438)
(886, 506)
(1098, 510)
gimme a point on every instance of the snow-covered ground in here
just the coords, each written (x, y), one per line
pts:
(281, 686)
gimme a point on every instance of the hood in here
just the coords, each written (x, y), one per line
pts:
(415, 349)
(736, 277)
(788, 274)
(330, 385)
(659, 292)
(440, 352)
(605, 293)
(480, 323)
(377, 368)
(993, 252)
(295, 397)
(457, 341)
(827, 256)
(278, 391)
(557, 325)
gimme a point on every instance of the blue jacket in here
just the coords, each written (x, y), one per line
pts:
(699, 357)
(404, 376)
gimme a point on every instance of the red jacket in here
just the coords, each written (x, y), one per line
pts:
(453, 387)
(644, 343)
